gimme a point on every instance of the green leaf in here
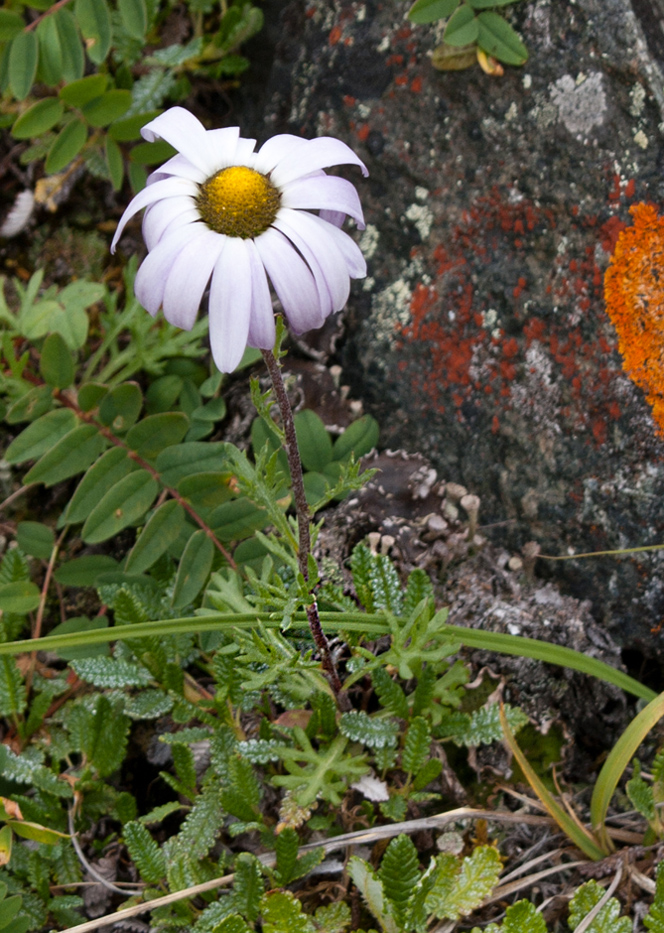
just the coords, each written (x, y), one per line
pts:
(358, 439)
(497, 38)
(13, 697)
(654, 919)
(313, 440)
(389, 693)
(100, 730)
(81, 92)
(248, 886)
(32, 405)
(94, 20)
(35, 539)
(114, 163)
(57, 364)
(373, 894)
(50, 68)
(333, 918)
(458, 891)
(206, 490)
(188, 459)
(112, 673)
(416, 745)
(483, 725)
(282, 913)
(111, 467)
(109, 107)
(38, 119)
(145, 853)
(11, 24)
(428, 773)
(68, 143)
(608, 920)
(640, 794)
(123, 505)
(23, 58)
(426, 11)
(232, 924)
(419, 587)
(71, 455)
(90, 395)
(151, 153)
(286, 848)
(161, 531)
(41, 435)
(81, 624)
(134, 16)
(120, 408)
(462, 27)
(194, 569)
(399, 873)
(129, 128)
(83, 571)
(73, 59)
(238, 519)
(375, 733)
(156, 432)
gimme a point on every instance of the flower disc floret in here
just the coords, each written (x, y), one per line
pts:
(219, 213)
(238, 201)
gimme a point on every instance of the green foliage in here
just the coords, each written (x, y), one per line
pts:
(654, 919)
(608, 920)
(472, 24)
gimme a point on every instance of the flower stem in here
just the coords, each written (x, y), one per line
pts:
(303, 516)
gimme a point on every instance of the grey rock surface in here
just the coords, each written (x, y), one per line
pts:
(480, 337)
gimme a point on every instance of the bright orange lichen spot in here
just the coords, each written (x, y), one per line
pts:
(634, 295)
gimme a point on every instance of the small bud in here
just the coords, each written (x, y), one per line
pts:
(530, 552)
(455, 491)
(374, 540)
(471, 504)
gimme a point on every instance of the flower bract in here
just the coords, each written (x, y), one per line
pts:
(222, 214)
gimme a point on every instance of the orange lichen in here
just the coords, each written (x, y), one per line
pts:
(634, 295)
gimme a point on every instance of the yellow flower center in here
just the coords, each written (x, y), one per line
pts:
(238, 202)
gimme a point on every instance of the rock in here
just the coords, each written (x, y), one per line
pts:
(480, 336)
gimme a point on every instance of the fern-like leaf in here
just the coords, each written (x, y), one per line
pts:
(13, 698)
(458, 893)
(521, 917)
(282, 913)
(371, 888)
(286, 849)
(399, 874)
(389, 693)
(418, 587)
(416, 745)
(372, 732)
(654, 919)
(248, 886)
(360, 565)
(145, 853)
(608, 920)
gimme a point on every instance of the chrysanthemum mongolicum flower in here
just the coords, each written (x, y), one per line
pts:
(220, 212)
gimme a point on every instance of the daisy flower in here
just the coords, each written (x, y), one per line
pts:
(218, 212)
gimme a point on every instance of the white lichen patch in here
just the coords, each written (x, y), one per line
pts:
(421, 217)
(638, 98)
(369, 241)
(641, 139)
(581, 107)
(421, 193)
(390, 308)
(512, 113)
(537, 395)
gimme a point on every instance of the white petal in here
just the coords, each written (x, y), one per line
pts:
(244, 152)
(186, 134)
(318, 153)
(355, 261)
(230, 304)
(333, 217)
(324, 193)
(292, 281)
(160, 218)
(152, 276)
(166, 188)
(276, 149)
(224, 143)
(181, 167)
(322, 256)
(262, 332)
(188, 278)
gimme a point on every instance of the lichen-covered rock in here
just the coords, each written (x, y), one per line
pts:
(480, 337)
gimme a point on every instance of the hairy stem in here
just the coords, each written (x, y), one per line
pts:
(302, 512)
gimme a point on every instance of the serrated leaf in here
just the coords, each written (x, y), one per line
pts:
(654, 919)
(282, 913)
(112, 673)
(372, 732)
(483, 725)
(38, 119)
(145, 852)
(72, 454)
(68, 143)
(203, 823)
(333, 918)
(125, 503)
(35, 539)
(457, 893)
(161, 531)
(389, 692)
(233, 924)
(41, 435)
(641, 796)
(134, 16)
(100, 730)
(608, 920)
(427, 11)
(155, 433)
(248, 886)
(497, 38)
(23, 58)
(111, 467)
(399, 873)
(13, 697)
(373, 894)
(418, 587)
(94, 20)
(148, 704)
(522, 917)
(462, 27)
(416, 745)
(286, 848)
